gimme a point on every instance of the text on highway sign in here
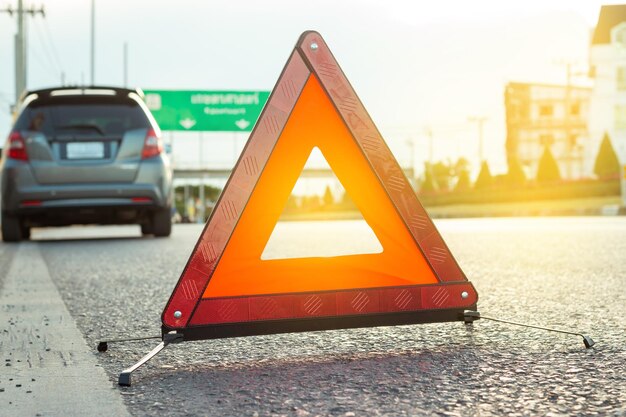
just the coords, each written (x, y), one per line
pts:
(217, 111)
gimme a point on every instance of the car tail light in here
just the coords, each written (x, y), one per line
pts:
(31, 203)
(141, 200)
(17, 147)
(152, 145)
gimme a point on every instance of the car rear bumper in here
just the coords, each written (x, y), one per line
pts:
(23, 196)
(86, 214)
(88, 196)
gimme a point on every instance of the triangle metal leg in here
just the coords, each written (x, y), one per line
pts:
(124, 378)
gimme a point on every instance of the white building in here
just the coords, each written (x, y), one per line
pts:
(608, 98)
(544, 115)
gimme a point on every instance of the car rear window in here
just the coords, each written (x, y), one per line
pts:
(107, 116)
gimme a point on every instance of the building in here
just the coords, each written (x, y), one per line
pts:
(608, 68)
(540, 115)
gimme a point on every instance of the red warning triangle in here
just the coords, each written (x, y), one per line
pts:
(226, 288)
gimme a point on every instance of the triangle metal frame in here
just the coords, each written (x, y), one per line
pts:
(444, 301)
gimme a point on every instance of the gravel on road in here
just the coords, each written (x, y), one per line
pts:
(566, 273)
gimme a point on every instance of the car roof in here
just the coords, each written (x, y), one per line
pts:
(94, 90)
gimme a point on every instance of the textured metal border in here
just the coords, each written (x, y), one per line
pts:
(234, 197)
(318, 324)
(322, 63)
(353, 301)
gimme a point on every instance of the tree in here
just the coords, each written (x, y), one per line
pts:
(292, 204)
(462, 164)
(346, 202)
(442, 174)
(607, 164)
(516, 175)
(311, 202)
(462, 173)
(464, 183)
(484, 180)
(548, 170)
(328, 198)
(428, 183)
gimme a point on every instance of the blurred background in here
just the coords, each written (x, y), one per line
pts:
(492, 108)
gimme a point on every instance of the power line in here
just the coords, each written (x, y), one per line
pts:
(50, 66)
(21, 49)
(52, 44)
(8, 103)
(44, 46)
(43, 64)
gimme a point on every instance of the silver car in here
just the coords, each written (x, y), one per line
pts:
(84, 156)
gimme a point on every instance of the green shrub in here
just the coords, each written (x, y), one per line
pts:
(464, 183)
(428, 184)
(484, 180)
(516, 175)
(548, 170)
(607, 165)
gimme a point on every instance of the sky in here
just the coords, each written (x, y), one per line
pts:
(416, 65)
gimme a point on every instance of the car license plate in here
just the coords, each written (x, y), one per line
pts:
(85, 150)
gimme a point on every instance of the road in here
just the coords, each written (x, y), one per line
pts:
(567, 273)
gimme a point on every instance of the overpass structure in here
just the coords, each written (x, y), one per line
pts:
(197, 176)
(182, 174)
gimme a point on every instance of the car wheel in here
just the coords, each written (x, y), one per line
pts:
(25, 231)
(162, 223)
(146, 228)
(11, 228)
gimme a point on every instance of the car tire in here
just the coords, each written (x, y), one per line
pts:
(25, 231)
(11, 228)
(147, 228)
(162, 223)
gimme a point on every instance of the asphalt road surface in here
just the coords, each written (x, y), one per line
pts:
(568, 273)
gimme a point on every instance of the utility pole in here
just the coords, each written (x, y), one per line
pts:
(480, 121)
(21, 44)
(93, 41)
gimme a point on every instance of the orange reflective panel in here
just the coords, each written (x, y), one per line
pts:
(314, 122)
(229, 289)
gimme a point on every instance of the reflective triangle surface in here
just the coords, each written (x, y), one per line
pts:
(228, 289)
(314, 122)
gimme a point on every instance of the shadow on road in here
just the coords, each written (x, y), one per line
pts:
(324, 384)
(89, 239)
(86, 233)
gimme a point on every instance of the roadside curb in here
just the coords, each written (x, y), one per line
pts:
(47, 367)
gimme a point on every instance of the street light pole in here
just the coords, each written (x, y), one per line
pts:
(93, 41)
(125, 64)
(480, 120)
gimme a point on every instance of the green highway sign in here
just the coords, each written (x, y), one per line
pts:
(217, 111)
